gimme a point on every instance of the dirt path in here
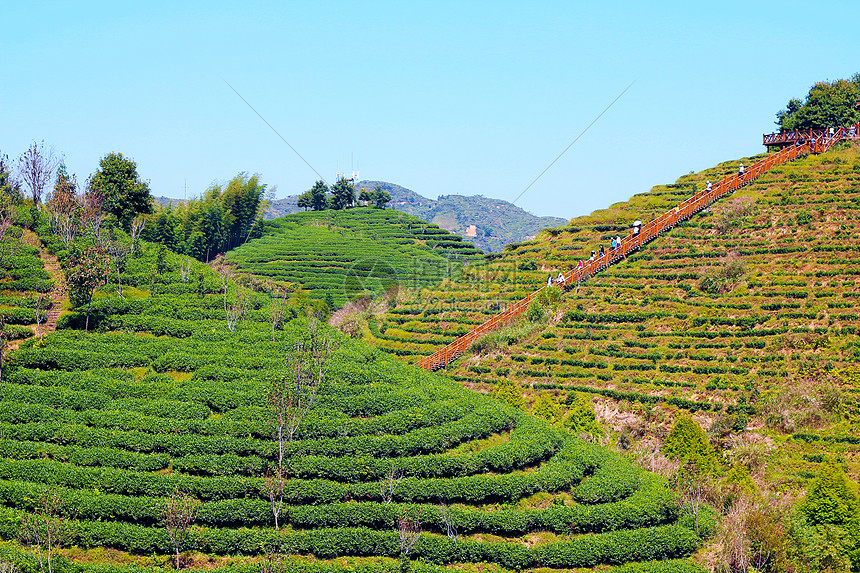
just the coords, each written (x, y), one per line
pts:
(57, 294)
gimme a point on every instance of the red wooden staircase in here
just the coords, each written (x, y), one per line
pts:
(647, 233)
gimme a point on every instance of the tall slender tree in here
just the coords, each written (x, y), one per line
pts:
(36, 167)
(319, 196)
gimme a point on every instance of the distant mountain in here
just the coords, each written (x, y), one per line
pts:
(489, 224)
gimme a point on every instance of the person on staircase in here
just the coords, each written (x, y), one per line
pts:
(549, 280)
(708, 187)
(560, 280)
(741, 171)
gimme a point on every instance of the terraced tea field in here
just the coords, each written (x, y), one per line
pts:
(25, 288)
(774, 337)
(163, 398)
(354, 253)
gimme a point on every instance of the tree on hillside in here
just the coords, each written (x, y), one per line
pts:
(87, 270)
(687, 443)
(365, 196)
(118, 248)
(225, 217)
(305, 201)
(64, 207)
(64, 197)
(833, 510)
(178, 513)
(829, 499)
(343, 194)
(46, 528)
(9, 185)
(380, 197)
(291, 397)
(243, 200)
(828, 104)
(36, 167)
(125, 194)
(319, 196)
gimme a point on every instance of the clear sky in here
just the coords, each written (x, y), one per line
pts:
(440, 97)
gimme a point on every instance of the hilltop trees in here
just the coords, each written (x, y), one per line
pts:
(343, 195)
(125, 194)
(379, 197)
(828, 104)
(319, 196)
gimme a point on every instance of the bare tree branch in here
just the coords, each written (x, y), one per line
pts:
(37, 166)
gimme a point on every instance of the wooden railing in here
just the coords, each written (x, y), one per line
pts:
(789, 137)
(648, 232)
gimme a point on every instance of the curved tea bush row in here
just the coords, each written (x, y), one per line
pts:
(241, 421)
(651, 505)
(475, 425)
(659, 542)
(564, 470)
(530, 443)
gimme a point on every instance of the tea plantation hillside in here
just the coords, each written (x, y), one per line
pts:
(169, 398)
(25, 288)
(355, 252)
(745, 315)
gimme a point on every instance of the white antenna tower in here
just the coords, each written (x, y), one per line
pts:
(351, 177)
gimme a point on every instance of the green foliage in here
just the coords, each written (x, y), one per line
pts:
(125, 195)
(828, 104)
(510, 393)
(829, 499)
(380, 197)
(547, 408)
(343, 195)
(224, 217)
(87, 269)
(688, 443)
(535, 312)
(581, 418)
(739, 478)
(319, 196)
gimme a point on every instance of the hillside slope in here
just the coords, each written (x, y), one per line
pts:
(169, 398)
(343, 255)
(744, 315)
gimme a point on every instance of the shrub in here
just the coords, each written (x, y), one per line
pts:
(829, 499)
(689, 444)
(723, 278)
(510, 393)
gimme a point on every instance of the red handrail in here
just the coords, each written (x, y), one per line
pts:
(684, 210)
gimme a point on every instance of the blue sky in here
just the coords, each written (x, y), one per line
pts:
(442, 97)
